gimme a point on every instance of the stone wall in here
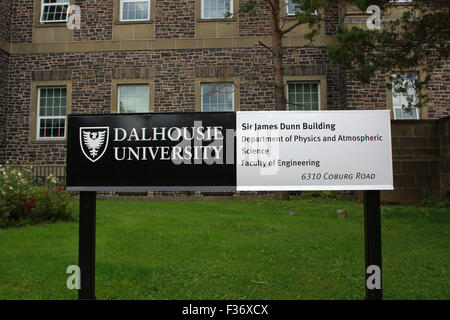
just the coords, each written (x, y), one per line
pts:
(5, 22)
(4, 59)
(174, 73)
(255, 22)
(23, 22)
(5, 36)
(420, 160)
(366, 96)
(439, 90)
(331, 20)
(175, 19)
(96, 20)
(374, 94)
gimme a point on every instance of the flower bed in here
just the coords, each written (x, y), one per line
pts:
(22, 201)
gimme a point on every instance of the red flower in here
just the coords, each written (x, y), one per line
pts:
(29, 204)
(59, 189)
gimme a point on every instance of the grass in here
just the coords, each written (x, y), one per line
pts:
(232, 250)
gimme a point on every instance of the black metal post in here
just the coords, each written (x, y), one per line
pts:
(86, 249)
(372, 240)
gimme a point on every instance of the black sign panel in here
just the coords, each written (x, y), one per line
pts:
(152, 151)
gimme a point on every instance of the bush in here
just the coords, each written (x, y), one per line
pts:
(24, 202)
(328, 195)
(436, 202)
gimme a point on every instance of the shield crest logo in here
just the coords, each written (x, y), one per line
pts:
(94, 142)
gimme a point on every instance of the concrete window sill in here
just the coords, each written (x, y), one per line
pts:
(133, 22)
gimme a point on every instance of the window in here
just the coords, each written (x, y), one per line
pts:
(133, 98)
(292, 8)
(400, 100)
(54, 10)
(52, 103)
(134, 10)
(217, 97)
(216, 9)
(303, 96)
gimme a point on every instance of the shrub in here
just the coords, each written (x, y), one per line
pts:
(24, 202)
(436, 202)
(328, 195)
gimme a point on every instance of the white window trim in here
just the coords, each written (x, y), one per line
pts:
(396, 108)
(303, 82)
(129, 85)
(202, 11)
(39, 117)
(53, 5)
(131, 20)
(201, 95)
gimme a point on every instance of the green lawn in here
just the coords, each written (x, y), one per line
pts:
(232, 250)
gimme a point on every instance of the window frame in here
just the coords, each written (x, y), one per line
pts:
(292, 15)
(317, 82)
(33, 119)
(287, 9)
(121, 2)
(115, 83)
(202, 6)
(216, 82)
(396, 118)
(130, 85)
(394, 107)
(43, 5)
(39, 117)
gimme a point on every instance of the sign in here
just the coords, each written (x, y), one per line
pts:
(314, 150)
(244, 151)
(160, 151)
(276, 150)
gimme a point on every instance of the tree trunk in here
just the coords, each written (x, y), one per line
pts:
(277, 55)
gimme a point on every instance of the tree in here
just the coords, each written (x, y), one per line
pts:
(305, 13)
(417, 39)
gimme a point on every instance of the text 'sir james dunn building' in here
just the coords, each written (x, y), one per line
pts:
(171, 55)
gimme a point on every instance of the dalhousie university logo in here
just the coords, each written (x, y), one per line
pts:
(94, 141)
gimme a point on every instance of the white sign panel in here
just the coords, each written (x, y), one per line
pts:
(313, 150)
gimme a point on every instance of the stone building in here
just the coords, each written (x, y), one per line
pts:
(168, 55)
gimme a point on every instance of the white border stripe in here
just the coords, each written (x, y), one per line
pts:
(314, 188)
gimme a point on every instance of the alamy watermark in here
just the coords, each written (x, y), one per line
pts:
(73, 17)
(73, 281)
(374, 21)
(195, 145)
(374, 280)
